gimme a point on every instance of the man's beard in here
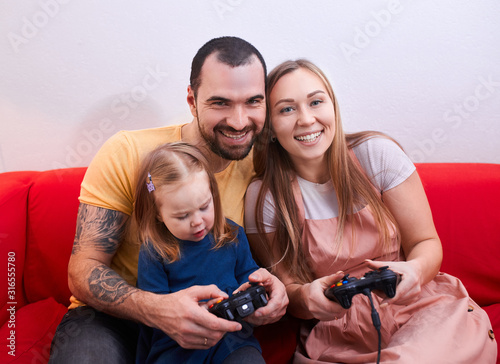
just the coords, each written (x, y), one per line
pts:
(227, 152)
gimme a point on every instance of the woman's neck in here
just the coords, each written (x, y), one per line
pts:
(313, 171)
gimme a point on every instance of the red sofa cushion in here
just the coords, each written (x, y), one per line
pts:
(13, 206)
(52, 212)
(464, 199)
(36, 324)
(278, 340)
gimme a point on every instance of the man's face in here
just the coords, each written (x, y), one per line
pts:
(230, 106)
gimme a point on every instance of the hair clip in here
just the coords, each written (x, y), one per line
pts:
(150, 185)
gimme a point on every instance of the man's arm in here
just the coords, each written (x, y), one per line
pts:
(98, 235)
(91, 280)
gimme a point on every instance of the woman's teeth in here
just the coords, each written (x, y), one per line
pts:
(308, 138)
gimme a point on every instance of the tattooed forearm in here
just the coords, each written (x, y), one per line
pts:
(107, 286)
(99, 229)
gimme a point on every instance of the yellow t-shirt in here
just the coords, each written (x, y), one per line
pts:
(109, 183)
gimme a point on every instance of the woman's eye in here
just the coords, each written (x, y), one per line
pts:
(286, 109)
(316, 102)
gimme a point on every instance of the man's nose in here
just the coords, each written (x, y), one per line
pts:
(238, 118)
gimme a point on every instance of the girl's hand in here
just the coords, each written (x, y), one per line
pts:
(409, 288)
(321, 307)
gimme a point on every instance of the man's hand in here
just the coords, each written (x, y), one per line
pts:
(182, 318)
(278, 299)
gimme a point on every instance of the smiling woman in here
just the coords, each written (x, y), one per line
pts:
(326, 204)
(303, 123)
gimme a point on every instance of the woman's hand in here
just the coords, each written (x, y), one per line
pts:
(409, 288)
(320, 307)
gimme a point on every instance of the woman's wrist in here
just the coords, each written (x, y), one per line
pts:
(299, 295)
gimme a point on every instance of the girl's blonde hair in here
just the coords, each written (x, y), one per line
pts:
(167, 164)
(352, 187)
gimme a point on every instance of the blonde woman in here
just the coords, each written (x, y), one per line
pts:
(326, 204)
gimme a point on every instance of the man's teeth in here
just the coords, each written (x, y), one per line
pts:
(234, 136)
(308, 138)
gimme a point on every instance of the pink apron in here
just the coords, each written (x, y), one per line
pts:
(443, 326)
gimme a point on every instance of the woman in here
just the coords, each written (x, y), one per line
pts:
(326, 204)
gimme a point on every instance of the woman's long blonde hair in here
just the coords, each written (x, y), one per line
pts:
(352, 187)
(167, 164)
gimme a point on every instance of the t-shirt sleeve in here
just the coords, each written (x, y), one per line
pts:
(268, 209)
(151, 275)
(384, 162)
(109, 180)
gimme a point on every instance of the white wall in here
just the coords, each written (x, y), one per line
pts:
(72, 73)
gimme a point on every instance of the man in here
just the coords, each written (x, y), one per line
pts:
(226, 97)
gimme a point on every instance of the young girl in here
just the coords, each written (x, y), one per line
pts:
(187, 241)
(327, 203)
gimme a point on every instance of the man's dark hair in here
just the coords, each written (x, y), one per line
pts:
(232, 51)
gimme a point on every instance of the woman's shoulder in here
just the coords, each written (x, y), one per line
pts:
(384, 161)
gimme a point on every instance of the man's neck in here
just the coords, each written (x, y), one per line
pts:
(190, 134)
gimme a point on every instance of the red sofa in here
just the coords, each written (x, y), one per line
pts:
(37, 224)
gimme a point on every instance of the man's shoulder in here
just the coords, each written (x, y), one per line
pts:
(150, 136)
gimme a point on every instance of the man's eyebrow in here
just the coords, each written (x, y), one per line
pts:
(217, 98)
(256, 97)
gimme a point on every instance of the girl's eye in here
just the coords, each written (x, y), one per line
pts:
(183, 217)
(205, 207)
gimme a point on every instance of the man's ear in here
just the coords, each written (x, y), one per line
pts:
(191, 100)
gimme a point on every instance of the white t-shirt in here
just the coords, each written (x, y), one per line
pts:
(383, 161)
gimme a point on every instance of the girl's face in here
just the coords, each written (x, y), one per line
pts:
(186, 207)
(302, 116)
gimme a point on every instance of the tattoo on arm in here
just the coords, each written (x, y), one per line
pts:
(98, 228)
(107, 286)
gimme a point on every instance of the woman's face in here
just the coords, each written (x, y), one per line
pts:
(302, 116)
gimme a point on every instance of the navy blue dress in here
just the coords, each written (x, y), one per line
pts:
(199, 264)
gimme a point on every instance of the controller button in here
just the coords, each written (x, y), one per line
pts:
(263, 299)
(229, 315)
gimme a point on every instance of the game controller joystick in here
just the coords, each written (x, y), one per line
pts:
(382, 279)
(241, 304)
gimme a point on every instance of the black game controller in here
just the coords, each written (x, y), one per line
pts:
(383, 279)
(242, 304)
